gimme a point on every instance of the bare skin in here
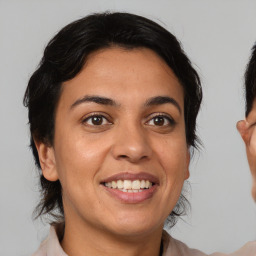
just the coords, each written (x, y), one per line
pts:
(120, 118)
(247, 130)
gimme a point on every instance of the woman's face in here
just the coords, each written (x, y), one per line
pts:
(120, 148)
(248, 133)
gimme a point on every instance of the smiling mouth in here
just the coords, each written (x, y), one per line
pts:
(130, 186)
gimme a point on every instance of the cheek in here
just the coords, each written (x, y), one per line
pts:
(252, 163)
(173, 159)
(78, 160)
(251, 151)
(173, 155)
(252, 142)
(253, 171)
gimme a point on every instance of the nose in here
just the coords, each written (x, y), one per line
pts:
(131, 144)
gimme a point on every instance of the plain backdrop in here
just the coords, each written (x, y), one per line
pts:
(217, 35)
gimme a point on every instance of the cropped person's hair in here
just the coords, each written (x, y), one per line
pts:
(65, 56)
(250, 81)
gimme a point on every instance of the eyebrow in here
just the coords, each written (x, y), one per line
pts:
(96, 99)
(159, 100)
(154, 101)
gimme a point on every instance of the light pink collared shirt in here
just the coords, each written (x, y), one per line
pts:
(172, 247)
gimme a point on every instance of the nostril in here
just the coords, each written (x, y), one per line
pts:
(123, 156)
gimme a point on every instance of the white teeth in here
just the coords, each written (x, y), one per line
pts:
(143, 184)
(129, 186)
(108, 184)
(114, 185)
(120, 184)
(136, 184)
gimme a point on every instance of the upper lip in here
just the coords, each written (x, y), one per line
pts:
(132, 176)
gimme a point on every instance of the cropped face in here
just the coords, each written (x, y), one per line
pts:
(120, 148)
(247, 129)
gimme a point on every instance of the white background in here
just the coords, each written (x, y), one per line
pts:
(216, 34)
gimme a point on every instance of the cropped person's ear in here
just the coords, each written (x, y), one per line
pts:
(47, 161)
(249, 137)
(242, 127)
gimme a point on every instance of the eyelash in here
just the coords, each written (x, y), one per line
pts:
(166, 117)
(169, 119)
(96, 115)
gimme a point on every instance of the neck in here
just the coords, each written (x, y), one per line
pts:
(80, 238)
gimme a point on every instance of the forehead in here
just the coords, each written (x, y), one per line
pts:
(141, 60)
(124, 74)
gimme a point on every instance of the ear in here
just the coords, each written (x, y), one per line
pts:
(242, 127)
(47, 161)
(187, 173)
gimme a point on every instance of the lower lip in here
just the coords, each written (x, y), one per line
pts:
(132, 198)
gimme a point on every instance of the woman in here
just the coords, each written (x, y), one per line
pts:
(112, 113)
(247, 127)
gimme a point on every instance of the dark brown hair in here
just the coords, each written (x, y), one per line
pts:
(64, 57)
(250, 81)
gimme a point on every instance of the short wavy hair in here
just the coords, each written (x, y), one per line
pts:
(64, 57)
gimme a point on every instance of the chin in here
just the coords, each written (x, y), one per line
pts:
(136, 231)
(137, 225)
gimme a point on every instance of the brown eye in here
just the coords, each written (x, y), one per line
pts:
(96, 120)
(159, 121)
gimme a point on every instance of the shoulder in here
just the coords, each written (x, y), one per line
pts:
(42, 250)
(173, 247)
(249, 249)
(51, 245)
